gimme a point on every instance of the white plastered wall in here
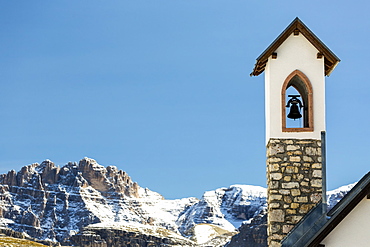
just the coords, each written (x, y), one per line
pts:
(354, 230)
(296, 52)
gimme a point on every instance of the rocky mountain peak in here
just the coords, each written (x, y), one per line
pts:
(86, 173)
(52, 202)
(85, 202)
(108, 179)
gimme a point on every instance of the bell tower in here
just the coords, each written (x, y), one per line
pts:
(295, 66)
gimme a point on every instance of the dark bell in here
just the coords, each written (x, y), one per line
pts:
(295, 106)
(294, 112)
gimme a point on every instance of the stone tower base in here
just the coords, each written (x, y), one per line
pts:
(294, 179)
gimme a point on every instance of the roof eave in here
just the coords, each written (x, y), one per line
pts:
(332, 69)
(296, 24)
(342, 209)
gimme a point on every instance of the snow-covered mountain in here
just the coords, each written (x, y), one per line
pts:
(334, 196)
(85, 202)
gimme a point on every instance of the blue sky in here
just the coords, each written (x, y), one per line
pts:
(161, 88)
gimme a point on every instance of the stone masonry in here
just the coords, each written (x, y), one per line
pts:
(294, 179)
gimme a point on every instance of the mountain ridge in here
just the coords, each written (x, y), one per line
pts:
(79, 201)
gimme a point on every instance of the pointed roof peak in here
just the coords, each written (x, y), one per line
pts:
(296, 27)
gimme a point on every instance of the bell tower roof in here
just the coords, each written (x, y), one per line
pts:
(296, 27)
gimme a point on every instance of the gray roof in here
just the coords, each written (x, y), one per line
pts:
(318, 223)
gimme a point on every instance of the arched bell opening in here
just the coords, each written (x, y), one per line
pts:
(295, 108)
(297, 103)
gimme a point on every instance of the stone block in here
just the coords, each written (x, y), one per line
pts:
(291, 211)
(308, 165)
(290, 185)
(294, 205)
(297, 164)
(295, 192)
(306, 168)
(306, 189)
(274, 205)
(301, 199)
(274, 228)
(274, 244)
(307, 159)
(292, 147)
(315, 198)
(294, 219)
(317, 166)
(276, 176)
(316, 183)
(291, 169)
(273, 141)
(305, 208)
(304, 142)
(297, 152)
(273, 160)
(278, 237)
(317, 174)
(275, 197)
(276, 215)
(274, 167)
(276, 149)
(287, 178)
(287, 228)
(273, 184)
(284, 192)
(294, 158)
(288, 199)
(288, 141)
(313, 151)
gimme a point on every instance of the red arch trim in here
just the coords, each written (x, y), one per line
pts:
(308, 86)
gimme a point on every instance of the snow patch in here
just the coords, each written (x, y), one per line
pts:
(5, 222)
(202, 233)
